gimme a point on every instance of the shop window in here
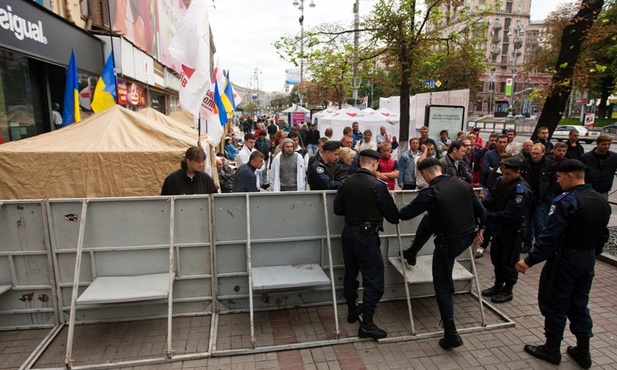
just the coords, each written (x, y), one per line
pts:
(17, 119)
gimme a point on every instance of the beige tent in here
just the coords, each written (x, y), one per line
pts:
(183, 117)
(172, 123)
(113, 153)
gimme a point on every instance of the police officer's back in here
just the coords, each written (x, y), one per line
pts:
(365, 202)
(575, 233)
(453, 213)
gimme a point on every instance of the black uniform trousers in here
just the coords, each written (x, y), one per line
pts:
(443, 264)
(362, 253)
(564, 293)
(505, 253)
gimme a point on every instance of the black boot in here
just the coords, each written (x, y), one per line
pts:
(410, 253)
(548, 352)
(494, 290)
(450, 339)
(505, 295)
(368, 329)
(580, 353)
(354, 312)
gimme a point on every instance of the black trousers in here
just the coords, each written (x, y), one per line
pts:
(362, 254)
(505, 253)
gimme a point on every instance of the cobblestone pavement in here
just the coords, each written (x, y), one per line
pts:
(490, 349)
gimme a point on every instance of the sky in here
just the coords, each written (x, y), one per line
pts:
(245, 30)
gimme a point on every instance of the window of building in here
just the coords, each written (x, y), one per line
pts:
(502, 87)
(509, 7)
(17, 110)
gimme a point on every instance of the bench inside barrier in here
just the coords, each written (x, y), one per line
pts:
(118, 289)
(5, 288)
(289, 277)
(422, 271)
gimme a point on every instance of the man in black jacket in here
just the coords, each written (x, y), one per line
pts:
(538, 173)
(601, 165)
(575, 148)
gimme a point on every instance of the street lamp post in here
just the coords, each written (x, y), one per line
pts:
(519, 32)
(491, 91)
(300, 5)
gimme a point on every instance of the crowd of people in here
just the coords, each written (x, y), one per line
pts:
(547, 200)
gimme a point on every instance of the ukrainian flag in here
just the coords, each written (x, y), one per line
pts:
(105, 91)
(70, 111)
(229, 92)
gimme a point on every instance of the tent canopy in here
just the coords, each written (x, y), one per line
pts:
(366, 120)
(113, 153)
(296, 108)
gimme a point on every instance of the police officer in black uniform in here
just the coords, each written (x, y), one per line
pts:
(575, 234)
(505, 210)
(326, 173)
(364, 201)
(455, 214)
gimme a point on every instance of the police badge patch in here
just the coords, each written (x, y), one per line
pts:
(518, 198)
(552, 210)
(320, 170)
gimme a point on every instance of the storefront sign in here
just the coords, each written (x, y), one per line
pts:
(31, 29)
(122, 93)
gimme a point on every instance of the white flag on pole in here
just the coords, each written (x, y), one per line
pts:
(190, 46)
(209, 112)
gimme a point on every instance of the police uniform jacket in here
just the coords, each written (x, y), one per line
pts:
(363, 198)
(323, 176)
(451, 204)
(508, 204)
(577, 220)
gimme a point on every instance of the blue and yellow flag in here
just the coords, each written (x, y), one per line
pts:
(70, 111)
(105, 91)
(229, 92)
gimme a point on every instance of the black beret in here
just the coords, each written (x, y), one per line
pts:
(570, 165)
(428, 162)
(511, 163)
(331, 145)
(371, 153)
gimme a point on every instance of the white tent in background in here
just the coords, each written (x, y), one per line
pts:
(316, 117)
(345, 117)
(368, 110)
(392, 117)
(296, 108)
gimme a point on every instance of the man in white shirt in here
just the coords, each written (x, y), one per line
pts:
(366, 143)
(288, 170)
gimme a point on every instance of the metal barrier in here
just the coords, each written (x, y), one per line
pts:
(214, 245)
(27, 285)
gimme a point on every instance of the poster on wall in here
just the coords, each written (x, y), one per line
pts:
(297, 117)
(122, 93)
(136, 95)
(444, 117)
(136, 20)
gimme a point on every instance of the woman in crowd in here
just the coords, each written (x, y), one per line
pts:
(190, 178)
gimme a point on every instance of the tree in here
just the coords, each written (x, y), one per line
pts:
(405, 38)
(561, 85)
(398, 39)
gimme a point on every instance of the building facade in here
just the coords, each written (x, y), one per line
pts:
(511, 40)
(36, 41)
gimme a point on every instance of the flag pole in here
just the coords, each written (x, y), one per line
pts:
(113, 59)
(199, 130)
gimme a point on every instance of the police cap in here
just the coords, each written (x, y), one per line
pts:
(428, 162)
(331, 145)
(511, 163)
(570, 165)
(371, 153)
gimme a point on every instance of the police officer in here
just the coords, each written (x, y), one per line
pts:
(326, 173)
(364, 201)
(454, 212)
(574, 235)
(505, 210)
